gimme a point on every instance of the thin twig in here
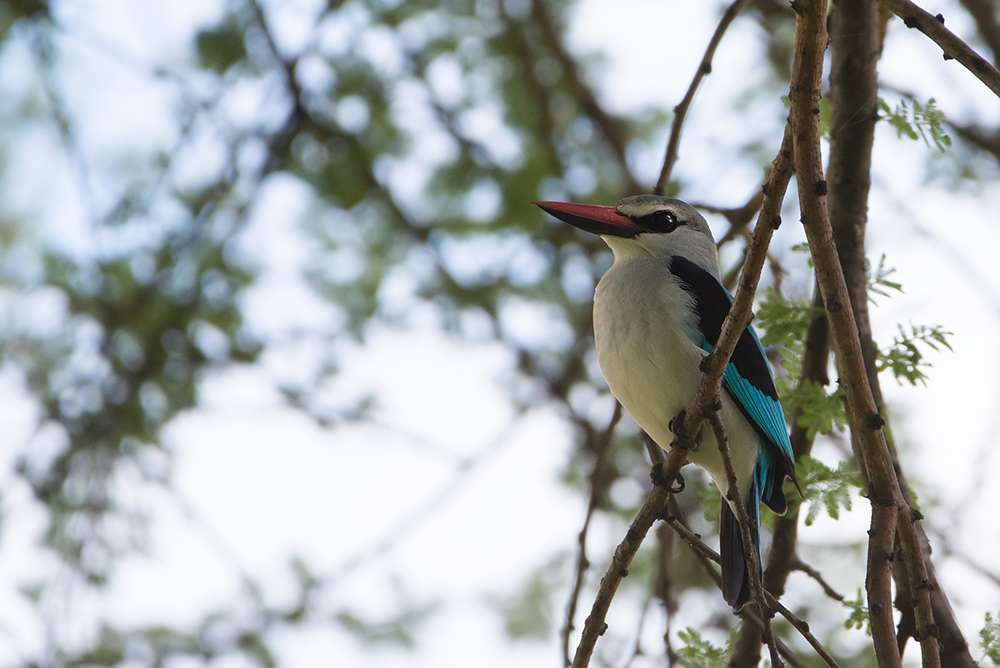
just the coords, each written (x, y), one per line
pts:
(680, 111)
(952, 45)
(750, 553)
(707, 555)
(582, 563)
(803, 567)
(740, 313)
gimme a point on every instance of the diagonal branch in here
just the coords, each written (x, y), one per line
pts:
(680, 111)
(952, 45)
(740, 313)
(708, 395)
(706, 555)
(582, 563)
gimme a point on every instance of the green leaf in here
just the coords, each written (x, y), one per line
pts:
(825, 488)
(905, 359)
(859, 617)
(821, 413)
(989, 637)
(878, 280)
(700, 653)
(917, 122)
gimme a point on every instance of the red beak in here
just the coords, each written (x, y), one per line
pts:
(591, 218)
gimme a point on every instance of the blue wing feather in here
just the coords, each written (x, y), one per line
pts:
(747, 378)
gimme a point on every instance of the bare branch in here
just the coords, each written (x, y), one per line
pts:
(680, 111)
(750, 555)
(952, 45)
(707, 555)
(738, 318)
(582, 563)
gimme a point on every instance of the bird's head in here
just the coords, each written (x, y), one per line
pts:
(644, 225)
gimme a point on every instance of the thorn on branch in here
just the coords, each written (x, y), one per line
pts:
(916, 515)
(944, 54)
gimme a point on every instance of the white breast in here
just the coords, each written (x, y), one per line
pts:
(641, 316)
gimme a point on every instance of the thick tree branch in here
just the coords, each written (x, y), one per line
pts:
(866, 423)
(984, 13)
(856, 45)
(680, 111)
(952, 45)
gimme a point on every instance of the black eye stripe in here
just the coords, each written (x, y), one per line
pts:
(659, 221)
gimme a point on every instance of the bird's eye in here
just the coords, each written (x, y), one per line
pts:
(660, 221)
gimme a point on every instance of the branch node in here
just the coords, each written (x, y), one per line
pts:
(623, 572)
(776, 222)
(929, 631)
(833, 305)
(926, 585)
(944, 54)
(940, 18)
(875, 421)
(910, 22)
(820, 188)
(916, 515)
(797, 7)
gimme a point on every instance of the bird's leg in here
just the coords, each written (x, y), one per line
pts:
(676, 426)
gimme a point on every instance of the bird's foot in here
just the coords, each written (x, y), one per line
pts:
(676, 426)
(656, 476)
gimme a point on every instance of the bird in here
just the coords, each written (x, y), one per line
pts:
(658, 311)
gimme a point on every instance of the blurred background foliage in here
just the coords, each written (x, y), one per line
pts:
(419, 132)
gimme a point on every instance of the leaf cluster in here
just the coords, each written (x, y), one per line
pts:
(905, 359)
(917, 121)
(826, 488)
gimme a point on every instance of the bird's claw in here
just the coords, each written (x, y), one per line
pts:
(656, 476)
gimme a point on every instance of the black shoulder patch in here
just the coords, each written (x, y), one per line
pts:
(712, 302)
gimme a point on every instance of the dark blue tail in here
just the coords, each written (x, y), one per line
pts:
(735, 577)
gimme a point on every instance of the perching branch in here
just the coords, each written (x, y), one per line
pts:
(708, 395)
(952, 45)
(680, 111)
(740, 314)
(618, 569)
